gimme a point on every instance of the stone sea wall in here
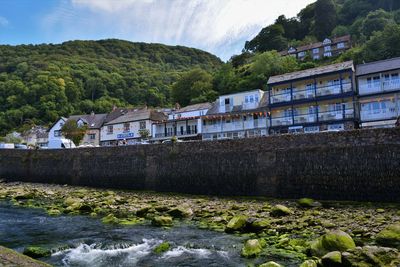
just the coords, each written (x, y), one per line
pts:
(353, 165)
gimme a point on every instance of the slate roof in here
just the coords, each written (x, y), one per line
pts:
(345, 38)
(138, 114)
(194, 107)
(94, 121)
(378, 66)
(311, 72)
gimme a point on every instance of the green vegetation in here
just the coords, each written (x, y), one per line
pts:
(39, 83)
(71, 130)
(42, 82)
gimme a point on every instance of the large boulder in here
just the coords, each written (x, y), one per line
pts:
(280, 210)
(162, 221)
(332, 241)
(161, 248)
(36, 252)
(332, 259)
(237, 223)
(252, 248)
(371, 256)
(258, 225)
(390, 236)
(181, 212)
(270, 264)
(309, 263)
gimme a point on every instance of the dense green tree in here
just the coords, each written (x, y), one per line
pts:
(191, 86)
(270, 38)
(376, 21)
(325, 18)
(71, 130)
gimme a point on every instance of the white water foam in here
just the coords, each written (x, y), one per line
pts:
(177, 252)
(91, 255)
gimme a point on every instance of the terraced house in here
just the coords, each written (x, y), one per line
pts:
(184, 123)
(379, 90)
(313, 100)
(237, 116)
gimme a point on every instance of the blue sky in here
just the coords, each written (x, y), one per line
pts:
(218, 26)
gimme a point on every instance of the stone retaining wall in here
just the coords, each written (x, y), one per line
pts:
(354, 165)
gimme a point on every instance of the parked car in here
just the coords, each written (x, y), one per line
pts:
(7, 145)
(20, 146)
(169, 141)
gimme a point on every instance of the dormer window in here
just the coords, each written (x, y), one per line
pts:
(327, 41)
(292, 50)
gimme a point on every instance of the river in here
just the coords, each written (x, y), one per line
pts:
(85, 241)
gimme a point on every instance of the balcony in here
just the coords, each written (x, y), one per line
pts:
(178, 134)
(336, 115)
(282, 121)
(310, 93)
(379, 87)
(305, 118)
(379, 114)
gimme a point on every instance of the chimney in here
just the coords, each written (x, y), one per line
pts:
(114, 107)
(92, 113)
(177, 106)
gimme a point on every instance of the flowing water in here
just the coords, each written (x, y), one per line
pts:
(85, 241)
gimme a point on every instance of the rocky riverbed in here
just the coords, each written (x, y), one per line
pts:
(314, 233)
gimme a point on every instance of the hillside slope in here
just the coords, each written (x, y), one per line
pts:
(39, 83)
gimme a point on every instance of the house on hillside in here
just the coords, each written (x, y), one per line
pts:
(35, 137)
(237, 115)
(124, 126)
(184, 123)
(379, 93)
(313, 100)
(92, 121)
(327, 48)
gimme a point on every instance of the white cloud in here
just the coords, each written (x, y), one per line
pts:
(3, 21)
(218, 26)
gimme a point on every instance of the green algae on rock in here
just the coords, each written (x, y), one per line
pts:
(36, 252)
(390, 236)
(181, 212)
(252, 248)
(309, 263)
(162, 221)
(161, 248)
(110, 219)
(336, 240)
(280, 210)
(308, 203)
(237, 223)
(371, 256)
(332, 259)
(270, 264)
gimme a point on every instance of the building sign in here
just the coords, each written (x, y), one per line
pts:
(125, 135)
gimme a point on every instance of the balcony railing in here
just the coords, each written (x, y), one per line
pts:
(312, 117)
(178, 133)
(378, 87)
(310, 93)
(379, 114)
(236, 126)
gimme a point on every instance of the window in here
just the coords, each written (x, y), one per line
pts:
(302, 54)
(256, 98)
(228, 121)
(328, 54)
(57, 133)
(182, 131)
(92, 136)
(126, 127)
(327, 48)
(315, 51)
(251, 98)
(377, 81)
(316, 57)
(142, 125)
(340, 45)
(311, 129)
(246, 99)
(110, 129)
(336, 127)
(244, 118)
(227, 102)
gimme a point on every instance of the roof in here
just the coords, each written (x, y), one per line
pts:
(94, 121)
(194, 107)
(378, 66)
(345, 38)
(115, 113)
(61, 118)
(139, 114)
(311, 72)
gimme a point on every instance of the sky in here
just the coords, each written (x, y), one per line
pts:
(217, 26)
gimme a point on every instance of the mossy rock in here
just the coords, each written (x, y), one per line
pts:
(270, 264)
(332, 259)
(252, 248)
(308, 203)
(181, 212)
(142, 212)
(131, 221)
(70, 201)
(162, 221)
(163, 247)
(25, 195)
(309, 263)
(54, 212)
(259, 225)
(371, 256)
(280, 210)
(36, 252)
(237, 223)
(390, 236)
(332, 241)
(110, 219)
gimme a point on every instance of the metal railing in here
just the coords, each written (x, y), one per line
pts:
(310, 93)
(178, 133)
(377, 114)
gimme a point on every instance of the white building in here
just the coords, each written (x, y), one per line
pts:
(128, 126)
(379, 93)
(237, 116)
(184, 123)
